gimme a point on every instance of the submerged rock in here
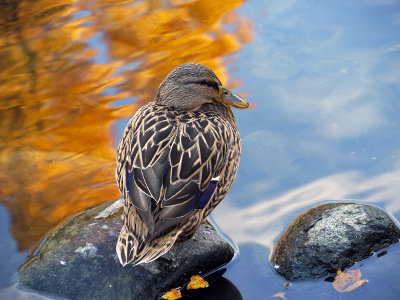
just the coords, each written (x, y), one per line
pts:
(79, 260)
(331, 237)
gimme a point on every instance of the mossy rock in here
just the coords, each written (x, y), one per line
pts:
(330, 237)
(79, 260)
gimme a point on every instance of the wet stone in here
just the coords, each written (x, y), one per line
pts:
(331, 237)
(79, 260)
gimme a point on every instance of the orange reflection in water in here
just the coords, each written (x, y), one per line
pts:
(56, 114)
(162, 37)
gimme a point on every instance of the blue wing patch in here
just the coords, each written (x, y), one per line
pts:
(206, 195)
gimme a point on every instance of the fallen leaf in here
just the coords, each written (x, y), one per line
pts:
(279, 295)
(196, 282)
(348, 281)
(172, 295)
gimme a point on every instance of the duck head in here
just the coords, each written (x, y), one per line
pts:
(191, 85)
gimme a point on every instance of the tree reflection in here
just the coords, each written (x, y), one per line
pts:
(63, 65)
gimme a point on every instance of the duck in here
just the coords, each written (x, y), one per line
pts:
(177, 159)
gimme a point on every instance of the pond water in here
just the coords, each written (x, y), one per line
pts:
(323, 78)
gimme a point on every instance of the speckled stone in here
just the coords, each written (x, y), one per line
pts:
(79, 260)
(331, 237)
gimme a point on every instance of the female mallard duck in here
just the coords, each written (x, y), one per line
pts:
(177, 159)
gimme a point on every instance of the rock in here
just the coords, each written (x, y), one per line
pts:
(79, 260)
(331, 237)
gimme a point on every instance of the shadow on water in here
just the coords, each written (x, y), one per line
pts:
(221, 289)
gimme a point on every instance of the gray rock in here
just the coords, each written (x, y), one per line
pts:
(331, 237)
(79, 260)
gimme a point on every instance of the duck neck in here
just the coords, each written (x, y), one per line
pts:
(221, 109)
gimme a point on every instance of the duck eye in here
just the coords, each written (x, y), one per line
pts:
(225, 92)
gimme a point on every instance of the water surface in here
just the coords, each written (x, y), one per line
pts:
(323, 76)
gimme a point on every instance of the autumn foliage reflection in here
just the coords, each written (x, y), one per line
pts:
(63, 67)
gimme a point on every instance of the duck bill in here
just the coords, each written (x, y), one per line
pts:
(226, 96)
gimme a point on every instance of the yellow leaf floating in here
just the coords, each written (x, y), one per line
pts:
(348, 281)
(172, 295)
(196, 282)
(279, 295)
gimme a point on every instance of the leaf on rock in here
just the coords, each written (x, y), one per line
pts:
(197, 282)
(279, 295)
(172, 295)
(348, 281)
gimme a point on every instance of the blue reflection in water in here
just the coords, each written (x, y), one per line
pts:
(326, 93)
(325, 77)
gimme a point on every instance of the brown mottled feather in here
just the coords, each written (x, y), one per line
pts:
(165, 162)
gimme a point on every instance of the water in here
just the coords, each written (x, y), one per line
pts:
(324, 78)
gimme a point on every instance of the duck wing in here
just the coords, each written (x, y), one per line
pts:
(169, 164)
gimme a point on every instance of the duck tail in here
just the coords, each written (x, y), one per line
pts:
(126, 245)
(134, 250)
